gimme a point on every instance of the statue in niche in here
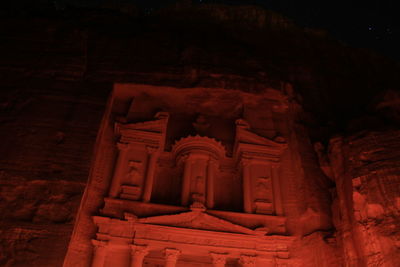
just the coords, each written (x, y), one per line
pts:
(201, 125)
(198, 195)
(198, 198)
(133, 176)
(263, 189)
(199, 184)
(263, 196)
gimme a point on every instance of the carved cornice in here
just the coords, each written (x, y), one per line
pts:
(198, 145)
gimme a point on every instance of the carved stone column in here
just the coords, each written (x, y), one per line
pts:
(99, 253)
(151, 167)
(119, 255)
(116, 181)
(247, 201)
(138, 252)
(277, 191)
(218, 259)
(211, 170)
(247, 260)
(171, 257)
(187, 174)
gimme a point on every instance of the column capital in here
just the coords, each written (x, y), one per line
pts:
(99, 243)
(213, 161)
(151, 150)
(248, 260)
(245, 162)
(275, 165)
(218, 259)
(171, 254)
(139, 250)
(123, 146)
(187, 157)
(99, 252)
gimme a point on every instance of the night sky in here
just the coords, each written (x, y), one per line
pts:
(365, 24)
(369, 24)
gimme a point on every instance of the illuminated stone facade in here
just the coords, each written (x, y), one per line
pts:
(173, 186)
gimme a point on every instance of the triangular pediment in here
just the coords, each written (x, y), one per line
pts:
(197, 220)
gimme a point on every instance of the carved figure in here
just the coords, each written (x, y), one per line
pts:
(201, 125)
(263, 188)
(134, 172)
(199, 184)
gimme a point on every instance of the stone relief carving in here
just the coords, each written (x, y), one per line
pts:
(199, 190)
(201, 125)
(198, 158)
(252, 151)
(263, 188)
(134, 173)
(263, 195)
(131, 187)
(198, 155)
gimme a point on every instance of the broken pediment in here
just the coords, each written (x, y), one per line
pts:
(199, 220)
(158, 125)
(148, 132)
(250, 143)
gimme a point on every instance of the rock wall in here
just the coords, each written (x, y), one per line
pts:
(47, 131)
(366, 200)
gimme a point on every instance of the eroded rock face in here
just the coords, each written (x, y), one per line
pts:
(365, 207)
(36, 216)
(47, 136)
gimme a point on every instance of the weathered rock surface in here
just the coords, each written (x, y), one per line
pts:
(365, 205)
(47, 133)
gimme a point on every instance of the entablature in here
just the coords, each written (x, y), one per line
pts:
(270, 224)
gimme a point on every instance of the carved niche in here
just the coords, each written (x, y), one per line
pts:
(199, 157)
(259, 160)
(139, 146)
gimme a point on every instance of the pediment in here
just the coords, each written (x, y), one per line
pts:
(245, 136)
(155, 126)
(197, 220)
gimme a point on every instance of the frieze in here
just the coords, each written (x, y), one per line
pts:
(196, 237)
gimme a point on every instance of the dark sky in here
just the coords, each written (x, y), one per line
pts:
(368, 24)
(371, 24)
